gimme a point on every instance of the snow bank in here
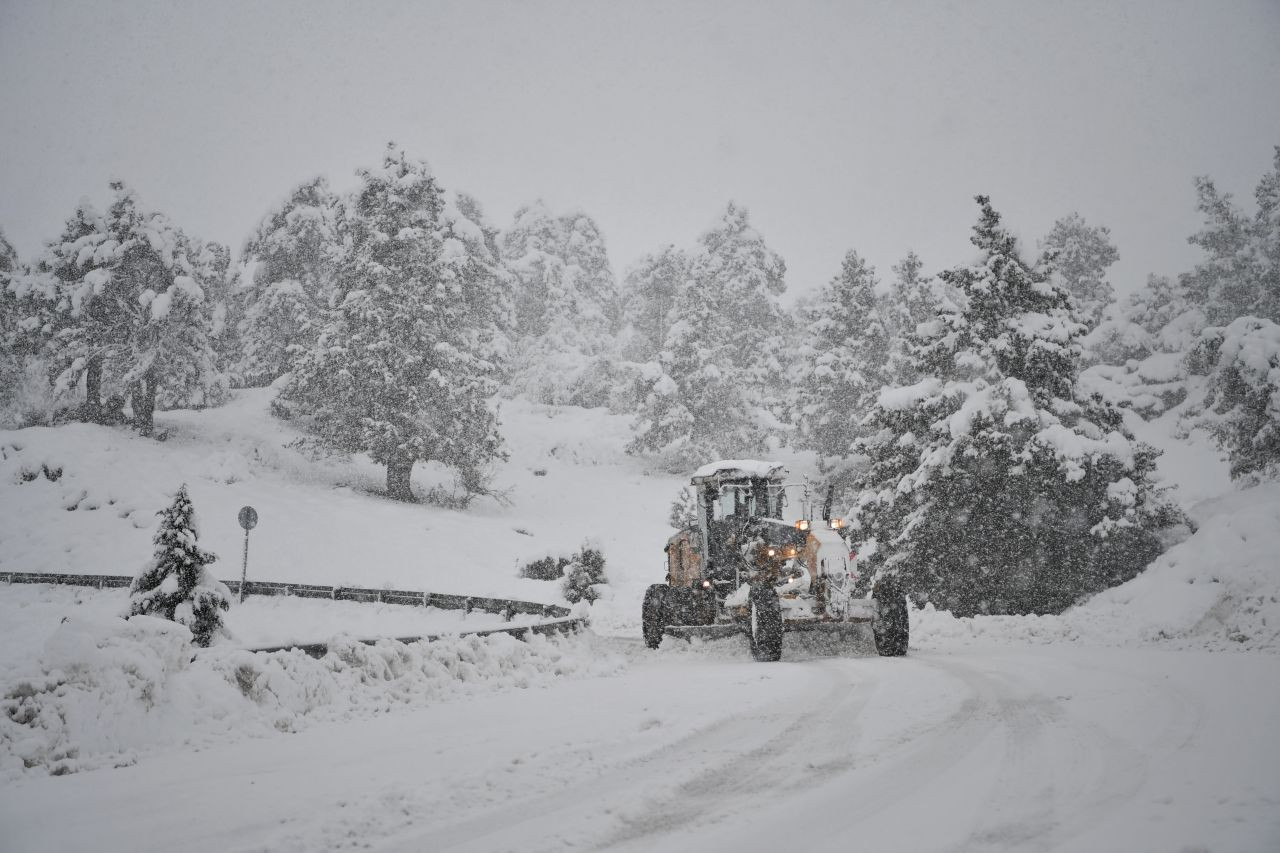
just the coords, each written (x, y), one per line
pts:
(104, 690)
(1218, 590)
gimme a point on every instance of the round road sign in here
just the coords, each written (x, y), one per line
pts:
(248, 517)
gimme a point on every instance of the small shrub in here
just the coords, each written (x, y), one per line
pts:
(547, 569)
(583, 573)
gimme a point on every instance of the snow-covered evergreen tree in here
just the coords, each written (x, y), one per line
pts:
(1242, 409)
(1081, 255)
(696, 408)
(995, 485)
(132, 314)
(566, 303)
(1240, 275)
(405, 367)
(913, 298)
(176, 583)
(709, 392)
(844, 360)
(1152, 350)
(650, 291)
(294, 252)
(11, 313)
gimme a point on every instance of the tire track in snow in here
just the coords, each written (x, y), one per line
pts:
(594, 806)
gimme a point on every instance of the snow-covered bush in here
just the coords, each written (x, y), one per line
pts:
(584, 572)
(27, 398)
(176, 584)
(545, 568)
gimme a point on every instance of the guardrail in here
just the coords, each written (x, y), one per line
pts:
(559, 620)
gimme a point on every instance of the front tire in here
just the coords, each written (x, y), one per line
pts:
(653, 614)
(764, 625)
(891, 626)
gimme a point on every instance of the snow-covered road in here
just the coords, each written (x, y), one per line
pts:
(1057, 747)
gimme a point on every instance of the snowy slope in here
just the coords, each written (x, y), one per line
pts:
(1139, 720)
(321, 520)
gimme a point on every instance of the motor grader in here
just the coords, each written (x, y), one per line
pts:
(744, 569)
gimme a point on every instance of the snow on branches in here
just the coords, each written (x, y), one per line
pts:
(995, 485)
(176, 584)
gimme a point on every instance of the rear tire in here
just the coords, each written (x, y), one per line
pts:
(764, 625)
(891, 626)
(653, 614)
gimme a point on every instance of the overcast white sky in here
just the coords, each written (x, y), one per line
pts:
(866, 125)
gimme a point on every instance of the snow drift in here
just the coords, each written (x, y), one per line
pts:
(105, 690)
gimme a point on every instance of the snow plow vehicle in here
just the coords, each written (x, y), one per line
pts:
(744, 569)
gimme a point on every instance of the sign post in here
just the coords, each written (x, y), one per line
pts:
(248, 520)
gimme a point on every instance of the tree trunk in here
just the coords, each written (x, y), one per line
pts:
(399, 475)
(93, 390)
(144, 402)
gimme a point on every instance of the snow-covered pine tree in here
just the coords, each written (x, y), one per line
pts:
(696, 408)
(1081, 254)
(404, 369)
(1150, 349)
(1242, 409)
(913, 298)
(719, 366)
(132, 312)
(294, 252)
(566, 304)
(709, 392)
(1240, 275)
(1157, 318)
(994, 485)
(176, 583)
(650, 290)
(845, 360)
(11, 314)
(742, 278)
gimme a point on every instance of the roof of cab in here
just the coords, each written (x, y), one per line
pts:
(739, 469)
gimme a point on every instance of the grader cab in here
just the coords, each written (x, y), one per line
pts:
(744, 569)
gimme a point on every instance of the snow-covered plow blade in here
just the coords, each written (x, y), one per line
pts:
(851, 630)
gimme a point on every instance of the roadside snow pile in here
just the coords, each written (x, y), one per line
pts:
(1218, 590)
(106, 689)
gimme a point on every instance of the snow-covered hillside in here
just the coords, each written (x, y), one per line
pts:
(1008, 728)
(322, 521)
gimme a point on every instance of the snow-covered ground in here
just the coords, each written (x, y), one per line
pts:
(1144, 719)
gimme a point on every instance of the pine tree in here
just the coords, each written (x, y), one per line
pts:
(1242, 408)
(709, 392)
(132, 314)
(176, 584)
(1081, 254)
(845, 361)
(696, 408)
(1240, 275)
(995, 484)
(566, 304)
(650, 291)
(406, 365)
(294, 251)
